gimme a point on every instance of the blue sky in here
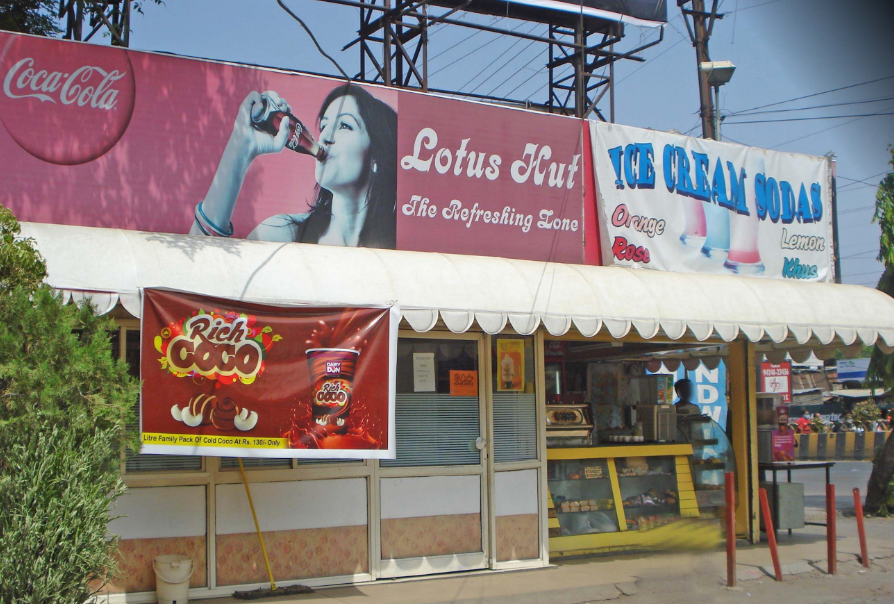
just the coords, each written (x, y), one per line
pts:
(782, 49)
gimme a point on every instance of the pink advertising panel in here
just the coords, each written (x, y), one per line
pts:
(108, 137)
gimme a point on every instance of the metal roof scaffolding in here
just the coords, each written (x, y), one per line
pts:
(580, 37)
(111, 15)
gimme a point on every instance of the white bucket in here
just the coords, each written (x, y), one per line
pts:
(172, 575)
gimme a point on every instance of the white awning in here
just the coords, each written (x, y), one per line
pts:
(113, 265)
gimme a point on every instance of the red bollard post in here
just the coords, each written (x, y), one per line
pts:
(730, 485)
(771, 533)
(861, 529)
(831, 550)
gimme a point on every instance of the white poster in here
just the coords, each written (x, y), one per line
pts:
(424, 372)
(677, 203)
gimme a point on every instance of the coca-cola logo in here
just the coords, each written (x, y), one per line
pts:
(62, 102)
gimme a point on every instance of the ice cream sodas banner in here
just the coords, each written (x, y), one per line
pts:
(677, 203)
(238, 379)
(109, 137)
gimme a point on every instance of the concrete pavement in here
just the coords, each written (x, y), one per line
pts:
(668, 577)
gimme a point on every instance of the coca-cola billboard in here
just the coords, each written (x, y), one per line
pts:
(65, 104)
(109, 137)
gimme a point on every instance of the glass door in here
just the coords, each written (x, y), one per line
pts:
(433, 496)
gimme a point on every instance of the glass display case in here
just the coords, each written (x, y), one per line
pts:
(613, 498)
(648, 491)
(582, 495)
(712, 457)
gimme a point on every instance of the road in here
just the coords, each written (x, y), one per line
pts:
(846, 475)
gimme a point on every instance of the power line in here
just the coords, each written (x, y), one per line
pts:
(807, 96)
(863, 180)
(806, 119)
(463, 40)
(875, 272)
(491, 41)
(520, 69)
(536, 73)
(852, 210)
(823, 130)
(856, 256)
(494, 62)
(878, 100)
(732, 12)
(651, 61)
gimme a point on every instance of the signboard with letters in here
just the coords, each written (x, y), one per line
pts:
(227, 378)
(777, 379)
(677, 203)
(116, 138)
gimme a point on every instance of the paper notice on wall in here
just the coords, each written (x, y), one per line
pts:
(424, 372)
(463, 383)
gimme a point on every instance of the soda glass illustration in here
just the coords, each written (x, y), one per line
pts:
(332, 384)
(716, 244)
(744, 257)
(507, 372)
(694, 228)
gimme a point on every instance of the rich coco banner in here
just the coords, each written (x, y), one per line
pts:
(237, 379)
(684, 204)
(107, 137)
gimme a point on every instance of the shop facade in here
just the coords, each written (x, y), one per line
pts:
(532, 410)
(473, 485)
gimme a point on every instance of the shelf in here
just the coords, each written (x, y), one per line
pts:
(663, 506)
(662, 475)
(709, 441)
(575, 479)
(587, 511)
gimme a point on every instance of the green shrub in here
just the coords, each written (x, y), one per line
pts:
(56, 488)
(865, 413)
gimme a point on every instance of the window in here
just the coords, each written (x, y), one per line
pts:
(515, 411)
(434, 426)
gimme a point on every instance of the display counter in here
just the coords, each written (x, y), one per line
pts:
(617, 497)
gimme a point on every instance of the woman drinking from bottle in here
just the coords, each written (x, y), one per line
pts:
(356, 171)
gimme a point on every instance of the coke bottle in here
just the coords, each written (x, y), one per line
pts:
(300, 138)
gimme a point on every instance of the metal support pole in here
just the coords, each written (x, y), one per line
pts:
(716, 109)
(831, 549)
(706, 109)
(386, 45)
(580, 68)
(611, 88)
(730, 485)
(861, 529)
(771, 532)
(424, 42)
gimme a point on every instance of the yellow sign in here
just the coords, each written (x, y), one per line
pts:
(510, 365)
(211, 440)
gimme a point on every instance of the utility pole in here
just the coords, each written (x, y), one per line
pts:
(700, 28)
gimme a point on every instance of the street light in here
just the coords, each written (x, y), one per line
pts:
(719, 73)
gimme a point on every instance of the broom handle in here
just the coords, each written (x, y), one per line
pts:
(257, 526)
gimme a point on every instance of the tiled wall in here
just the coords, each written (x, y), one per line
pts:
(430, 516)
(516, 504)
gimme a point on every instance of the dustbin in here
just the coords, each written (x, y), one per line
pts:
(172, 573)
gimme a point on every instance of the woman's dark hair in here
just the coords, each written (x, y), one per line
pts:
(380, 227)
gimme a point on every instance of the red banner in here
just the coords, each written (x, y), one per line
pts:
(110, 137)
(238, 379)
